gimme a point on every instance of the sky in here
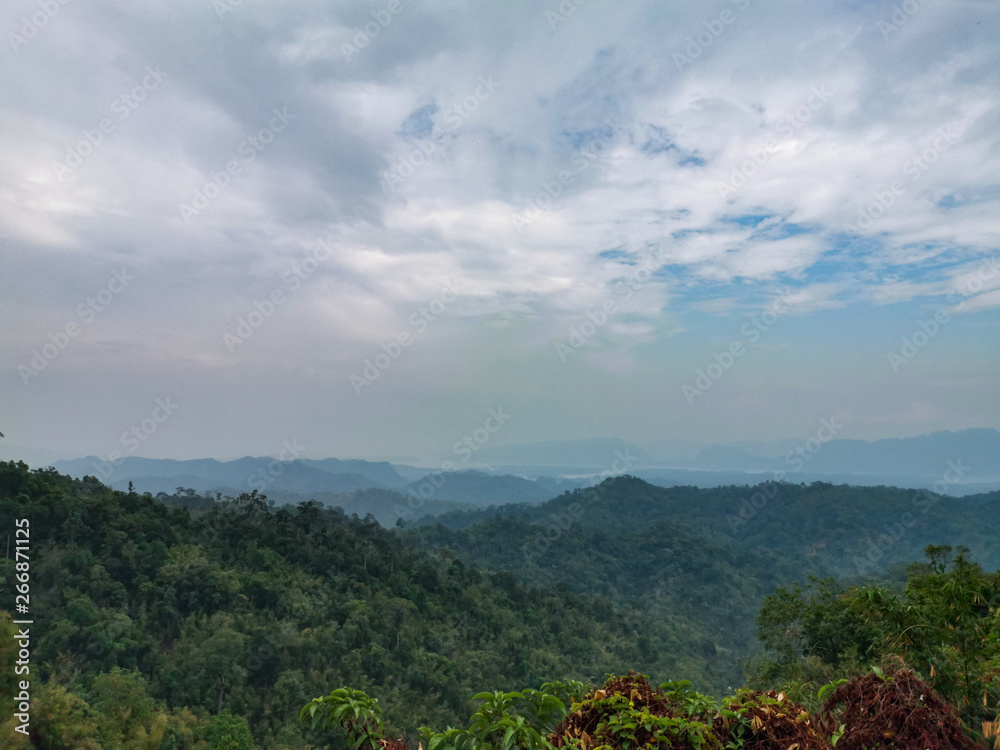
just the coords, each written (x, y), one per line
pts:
(358, 227)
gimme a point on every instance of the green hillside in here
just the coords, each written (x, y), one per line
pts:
(160, 626)
(252, 610)
(819, 528)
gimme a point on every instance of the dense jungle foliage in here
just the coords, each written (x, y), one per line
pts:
(162, 626)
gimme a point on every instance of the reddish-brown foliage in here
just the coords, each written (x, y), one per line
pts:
(775, 724)
(900, 711)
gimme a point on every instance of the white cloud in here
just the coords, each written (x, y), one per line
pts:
(814, 110)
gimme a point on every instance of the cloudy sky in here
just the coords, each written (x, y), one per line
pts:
(362, 225)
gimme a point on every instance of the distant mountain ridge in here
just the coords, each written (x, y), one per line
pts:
(969, 461)
(382, 472)
(594, 454)
(977, 451)
(331, 480)
(242, 474)
(482, 489)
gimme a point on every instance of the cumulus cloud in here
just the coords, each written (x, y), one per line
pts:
(535, 159)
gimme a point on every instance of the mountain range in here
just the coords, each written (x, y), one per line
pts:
(955, 463)
(978, 450)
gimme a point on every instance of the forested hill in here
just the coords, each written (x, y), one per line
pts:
(149, 619)
(696, 564)
(167, 627)
(818, 528)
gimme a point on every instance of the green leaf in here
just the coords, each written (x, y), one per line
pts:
(828, 687)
